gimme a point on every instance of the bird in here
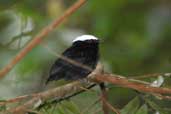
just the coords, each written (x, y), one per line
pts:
(84, 51)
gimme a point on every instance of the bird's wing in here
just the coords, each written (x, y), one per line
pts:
(60, 66)
(57, 67)
(56, 71)
(73, 54)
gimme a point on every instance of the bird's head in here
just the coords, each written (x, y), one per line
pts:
(86, 39)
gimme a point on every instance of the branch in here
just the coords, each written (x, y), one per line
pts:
(150, 75)
(110, 106)
(104, 97)
(124, 82)
(62, 91)
(55, 101)
(39, 37)
(17, 99)
(58, 92)
(96, 76)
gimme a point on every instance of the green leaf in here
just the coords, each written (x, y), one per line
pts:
(155, 106)
(142, 110)
(71, 107)
(131, 107)
(60, 110)
(2, 108)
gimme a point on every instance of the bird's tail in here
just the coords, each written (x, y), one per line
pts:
(47, 81)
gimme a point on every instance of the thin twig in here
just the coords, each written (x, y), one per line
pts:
(66, 58)
(20, 98)
(118, 80)
(39, 37)
(150, 75)
(55, 101)
(161, 97)
(75, 86)
(43, 96)
(110, 106)
(17, 99)
(101, 78)
(104, 96)
(84, 66)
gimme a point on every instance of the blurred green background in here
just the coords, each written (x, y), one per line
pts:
(135, 40)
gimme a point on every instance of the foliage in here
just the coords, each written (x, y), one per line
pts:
(135, 40)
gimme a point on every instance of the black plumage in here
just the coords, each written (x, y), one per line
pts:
(85, 52)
